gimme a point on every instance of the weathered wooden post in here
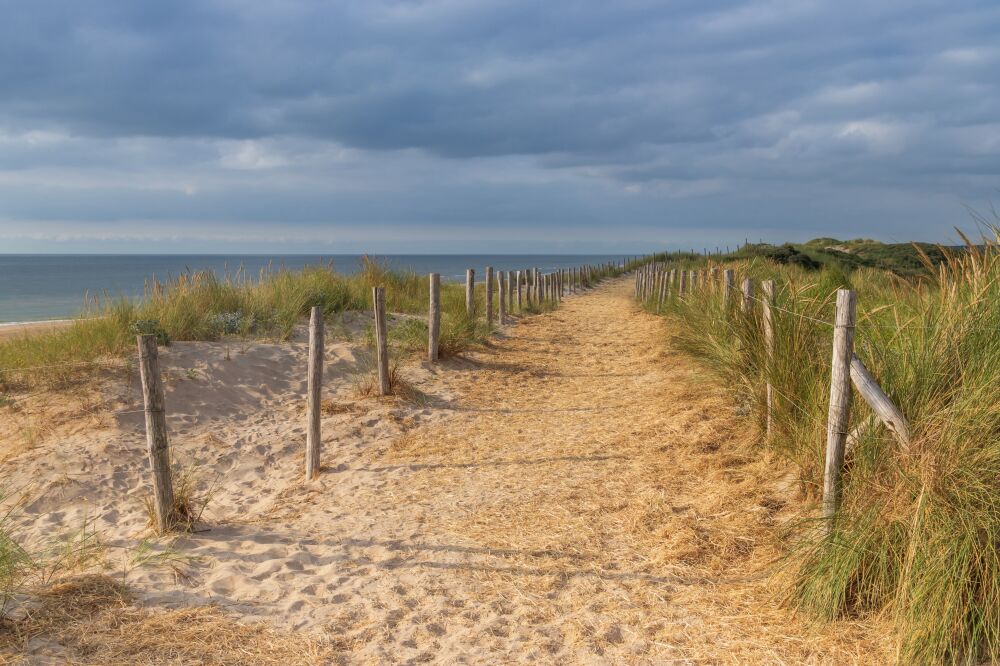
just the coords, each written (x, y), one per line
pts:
(517, 281)
(767, 286)
(683, 286)
(501, 300)
(728, 280)
(470, 293)
(381, 341)
(840, 402)
(747, 304)
(157, 443)
(314, 388)
(489, 298)
(880, 403)
(434, 319)
(510, 295)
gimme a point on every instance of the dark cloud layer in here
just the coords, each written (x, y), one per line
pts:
(659, 115)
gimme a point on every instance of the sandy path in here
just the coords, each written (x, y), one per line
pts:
(589, 499)
(576, 493)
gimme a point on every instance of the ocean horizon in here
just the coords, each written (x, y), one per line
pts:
(43, 287)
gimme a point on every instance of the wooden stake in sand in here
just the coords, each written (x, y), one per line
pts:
(314, 389)
(470, 293)
(489, 298)
(747, 304)
(434, 319)
(381, 341)
(767, 286)
(517, 286)
(510, 294)
(156, 432)
(840, 402)
(501, 299)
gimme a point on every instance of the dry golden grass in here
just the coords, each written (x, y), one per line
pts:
(90, 620)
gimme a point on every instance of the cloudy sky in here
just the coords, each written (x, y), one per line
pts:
(492, 125)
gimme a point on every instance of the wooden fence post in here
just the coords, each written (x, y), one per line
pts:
(840, 402)
(434, 319)
(501, 299)
(381, 341)
(517, 280)
(683, 287)
(314, 389)
(157, 443)
(745, 307)
(880, 403)
(728, 279)
(767, 286)
(470, 293)
(509, 275)
(489, 298)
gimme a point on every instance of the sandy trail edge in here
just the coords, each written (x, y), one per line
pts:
(576, 493)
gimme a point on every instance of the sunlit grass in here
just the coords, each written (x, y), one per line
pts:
(917, 534)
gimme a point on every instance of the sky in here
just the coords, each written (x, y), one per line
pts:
(493, 126)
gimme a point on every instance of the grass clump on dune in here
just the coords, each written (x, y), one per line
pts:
(916, 538)
(204, 306)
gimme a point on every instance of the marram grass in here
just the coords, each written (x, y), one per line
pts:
(916, 538)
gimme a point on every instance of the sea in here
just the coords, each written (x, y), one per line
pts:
(42, 287)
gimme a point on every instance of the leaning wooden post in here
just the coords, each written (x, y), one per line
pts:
(156, 432)
(470, 293)
(840, 402)
(489, 298)
(501, 300)
(880, 403)
(434, 319)
(314, 389)
(767, 286)
(747, 303)
(381, 341)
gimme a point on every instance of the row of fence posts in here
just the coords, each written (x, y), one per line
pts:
(658, 281)
(515, 292)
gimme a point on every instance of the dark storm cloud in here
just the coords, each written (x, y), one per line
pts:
(641, 103)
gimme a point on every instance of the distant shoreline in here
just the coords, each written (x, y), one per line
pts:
(14, 329)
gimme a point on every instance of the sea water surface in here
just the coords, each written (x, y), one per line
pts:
(54, 286)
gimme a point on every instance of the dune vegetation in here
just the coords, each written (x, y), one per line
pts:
(203, 306)
(916, 537)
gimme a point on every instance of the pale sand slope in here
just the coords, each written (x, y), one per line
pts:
(577, 493)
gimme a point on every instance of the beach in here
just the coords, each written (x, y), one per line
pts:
(574, 491)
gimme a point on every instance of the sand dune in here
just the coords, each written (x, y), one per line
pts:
(577, 493)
